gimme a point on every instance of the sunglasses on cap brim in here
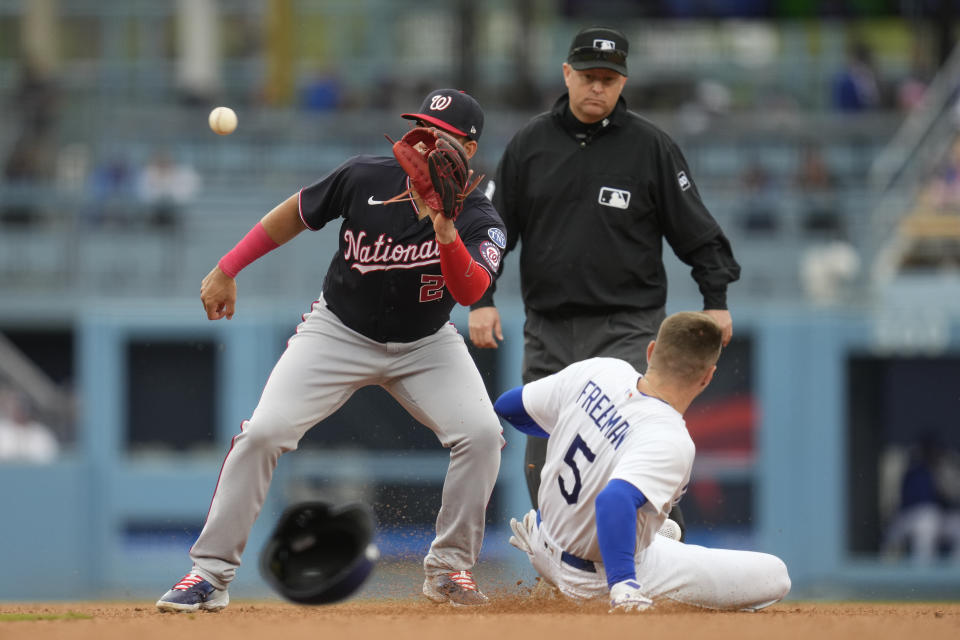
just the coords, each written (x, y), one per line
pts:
(592, 54)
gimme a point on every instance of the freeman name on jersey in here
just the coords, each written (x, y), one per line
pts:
(601, 410)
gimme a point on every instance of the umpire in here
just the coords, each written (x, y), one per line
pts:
(592, 189)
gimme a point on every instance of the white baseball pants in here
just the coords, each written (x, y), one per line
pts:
(433, 378)
(684, 573)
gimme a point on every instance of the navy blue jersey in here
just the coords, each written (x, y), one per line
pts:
(385, 281)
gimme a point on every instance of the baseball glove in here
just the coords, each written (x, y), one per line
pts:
(438, 167)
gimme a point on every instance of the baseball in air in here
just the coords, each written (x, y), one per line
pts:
(223, 120)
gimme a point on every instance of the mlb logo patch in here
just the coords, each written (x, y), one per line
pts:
(490, 254)
(683, 180)
(604, 45)
(616, 198)
(499, 237)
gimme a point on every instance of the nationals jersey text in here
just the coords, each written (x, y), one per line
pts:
(385, 281)
(382, 255)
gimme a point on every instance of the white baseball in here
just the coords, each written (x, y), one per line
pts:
(223, 120)
(670, 529)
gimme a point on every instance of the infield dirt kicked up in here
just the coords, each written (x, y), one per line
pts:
(508, 617)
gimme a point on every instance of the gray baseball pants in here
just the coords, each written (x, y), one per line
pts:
(433, 378)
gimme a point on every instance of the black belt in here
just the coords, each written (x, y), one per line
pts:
(577, 562)
(574, 561)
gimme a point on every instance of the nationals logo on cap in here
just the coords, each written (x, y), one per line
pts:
(451, 110)
(439, 103)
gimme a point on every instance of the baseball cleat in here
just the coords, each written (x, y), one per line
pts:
(193, 593)
(457, 588)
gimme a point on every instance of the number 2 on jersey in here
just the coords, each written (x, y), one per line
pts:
(570, 458)
(432, 288)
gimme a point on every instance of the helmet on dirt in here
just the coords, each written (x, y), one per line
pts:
(319, 553)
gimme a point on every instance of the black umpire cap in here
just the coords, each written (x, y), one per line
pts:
(453, 111)
(599, 47)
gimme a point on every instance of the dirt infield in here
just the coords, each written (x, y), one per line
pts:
(514, 617)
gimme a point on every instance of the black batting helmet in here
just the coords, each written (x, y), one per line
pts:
(319, 553)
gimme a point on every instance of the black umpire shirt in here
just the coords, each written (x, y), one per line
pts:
(593, 204)
(385, 281)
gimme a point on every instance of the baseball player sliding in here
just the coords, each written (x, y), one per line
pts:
(382, 319)
(618, 457)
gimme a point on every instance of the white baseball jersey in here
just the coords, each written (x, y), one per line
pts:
(601, 428)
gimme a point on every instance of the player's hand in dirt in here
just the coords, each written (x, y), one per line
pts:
(628, 596)
(485, 328)
(218, 293)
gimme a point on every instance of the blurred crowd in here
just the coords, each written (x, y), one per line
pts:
(23, 437)
(119, 192)
(924, 525)
(930, 230)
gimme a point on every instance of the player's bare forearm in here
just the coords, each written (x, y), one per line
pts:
(485, 328)
(443, 227)
(724, 319)
(283, 222)
(218, 293)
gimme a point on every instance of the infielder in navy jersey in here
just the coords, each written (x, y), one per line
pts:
(382, 319)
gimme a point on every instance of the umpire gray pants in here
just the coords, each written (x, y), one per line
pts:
(552, 342)
(434, 378)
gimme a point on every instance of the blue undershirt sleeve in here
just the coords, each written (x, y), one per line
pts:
(616, 507)
(509, 406)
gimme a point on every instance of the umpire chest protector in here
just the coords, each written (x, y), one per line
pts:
(594, 203)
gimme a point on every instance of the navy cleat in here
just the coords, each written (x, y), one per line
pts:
(457, 588)
(193, 593)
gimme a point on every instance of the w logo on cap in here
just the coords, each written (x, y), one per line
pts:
(439, 103)
(453, 111)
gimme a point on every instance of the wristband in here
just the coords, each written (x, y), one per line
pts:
(255, 244)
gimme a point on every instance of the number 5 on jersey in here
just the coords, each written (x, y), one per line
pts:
(571, 459)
